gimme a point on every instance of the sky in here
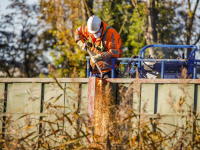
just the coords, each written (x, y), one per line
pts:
(3, 10)
(5, 3)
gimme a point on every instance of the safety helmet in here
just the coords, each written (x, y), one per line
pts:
(93, 24)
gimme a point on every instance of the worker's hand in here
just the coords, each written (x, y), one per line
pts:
(82, 45)
(96, 58)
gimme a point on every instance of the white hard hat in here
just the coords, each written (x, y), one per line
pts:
(93, 24)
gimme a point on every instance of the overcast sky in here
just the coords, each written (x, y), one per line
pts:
(5, 3)
(3, 10)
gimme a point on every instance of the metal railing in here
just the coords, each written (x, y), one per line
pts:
(191, 62)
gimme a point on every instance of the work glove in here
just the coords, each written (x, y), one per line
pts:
(96, 58)
(82, 45)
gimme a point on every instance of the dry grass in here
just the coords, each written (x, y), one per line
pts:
(117, 125)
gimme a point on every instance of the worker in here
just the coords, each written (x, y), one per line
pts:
(104, 43)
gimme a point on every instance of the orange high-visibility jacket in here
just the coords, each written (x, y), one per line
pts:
(110, 44)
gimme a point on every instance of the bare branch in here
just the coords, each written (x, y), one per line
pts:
(86, 6)
(197, 40)
(136, 7)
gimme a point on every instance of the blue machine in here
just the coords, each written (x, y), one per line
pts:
(158, 68)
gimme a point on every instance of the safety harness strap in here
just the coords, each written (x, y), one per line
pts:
(102, 46)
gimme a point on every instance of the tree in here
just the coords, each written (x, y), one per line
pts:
(64, 17)
(22, 44)
(139, 23)
(118, 14)
(189, 23)
(158, 22)
(169, 22)
(8, 54)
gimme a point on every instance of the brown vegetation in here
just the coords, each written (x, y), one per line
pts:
(118, 123)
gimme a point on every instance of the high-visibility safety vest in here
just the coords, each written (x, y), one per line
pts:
(102, 46)
(109, 45)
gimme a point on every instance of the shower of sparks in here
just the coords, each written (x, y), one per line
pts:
(101, 111)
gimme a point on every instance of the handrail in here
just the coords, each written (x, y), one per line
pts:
(138, 59)
(150, 60)
(190, 61)
(170, 46)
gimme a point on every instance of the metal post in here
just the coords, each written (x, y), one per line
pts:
(195, 70)
(142, 62)
(162, 69)
(143, 55)
(139, 66)
(91, 102)
(113, 68)
(88, 67)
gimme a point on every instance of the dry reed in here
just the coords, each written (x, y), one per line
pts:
(118, 124)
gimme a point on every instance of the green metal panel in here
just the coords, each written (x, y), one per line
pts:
(9, 98)
(169, 96)
(53, 96)
(167, 126)
(136, 97)
(188, 91)
(34, 97)
(164, 98)
(84, 99)
(125, 98)
(83, 106)
(198, 100)
(2, 99)
(71, 97)
(23, 125)
(50, 125)
(71, 105)
(76, 97)
(24, 98)
(124, 93)
(148, 98)
(136, 105)
(2, 96)
(110, 92)
(53, 109)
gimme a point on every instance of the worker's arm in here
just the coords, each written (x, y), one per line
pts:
(81, 33)
(113, 45)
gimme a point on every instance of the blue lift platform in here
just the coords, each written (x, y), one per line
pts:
(157, 68)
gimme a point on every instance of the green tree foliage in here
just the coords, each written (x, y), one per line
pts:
(189, 22)
(118, 14)
(22, 45)
(141, 23)
(31, 30)
(136, 37)
(64, 17)
(154, 23)
(168, 23)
